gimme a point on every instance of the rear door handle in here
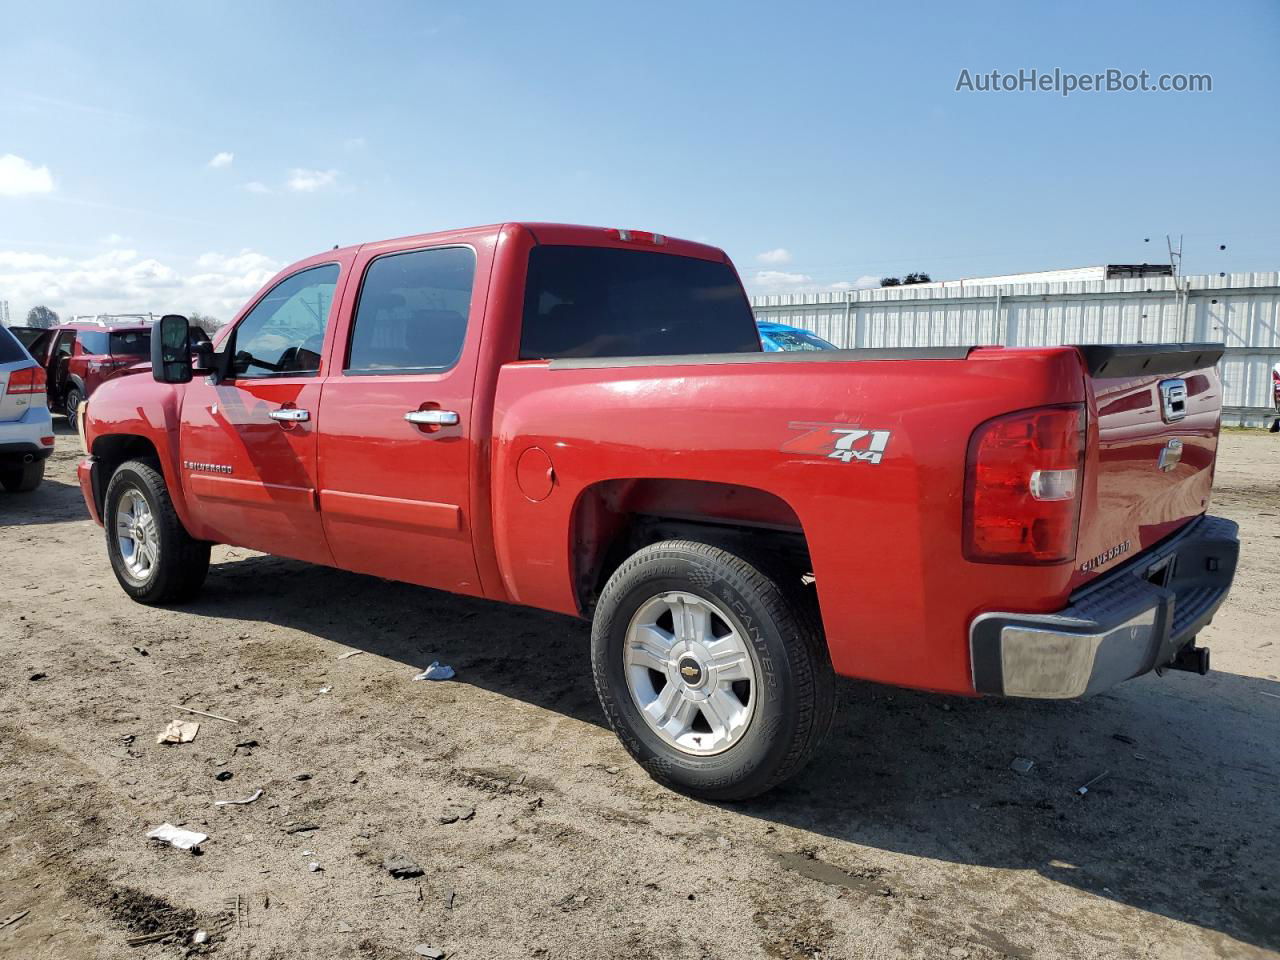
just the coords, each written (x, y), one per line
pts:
(433, 418)
(290, 415)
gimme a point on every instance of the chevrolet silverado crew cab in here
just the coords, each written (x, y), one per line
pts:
(583, 420)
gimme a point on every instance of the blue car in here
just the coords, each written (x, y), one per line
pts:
(778, 336)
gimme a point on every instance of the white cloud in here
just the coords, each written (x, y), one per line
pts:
(114, 239)
(779, 281)
(222, 159)
(120, 281)
(302, 180)
(775, 256)
(19, 260)
(256, 186)
(18, 178)
(862, 283)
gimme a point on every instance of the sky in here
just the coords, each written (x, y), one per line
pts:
(173, 156)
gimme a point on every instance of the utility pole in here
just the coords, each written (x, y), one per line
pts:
(1180, 284)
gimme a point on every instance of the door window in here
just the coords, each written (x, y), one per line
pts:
(412, 314)
(283, 335)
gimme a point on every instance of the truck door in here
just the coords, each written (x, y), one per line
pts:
(248, 443)
(395, 428)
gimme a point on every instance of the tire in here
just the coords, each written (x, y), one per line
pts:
(23, 478)
(70, 404)
(790, 700)
(165, 563)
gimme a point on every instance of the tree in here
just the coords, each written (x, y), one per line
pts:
(204, 321)
(41, 317)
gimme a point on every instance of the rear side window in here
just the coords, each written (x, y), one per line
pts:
(10, 348)
(131, 343)
(605, 302)
(412, 314)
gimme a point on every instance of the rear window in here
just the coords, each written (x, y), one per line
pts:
(131, 343)
(10, 348)
(605, 302)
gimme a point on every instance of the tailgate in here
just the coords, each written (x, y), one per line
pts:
(1158, 410)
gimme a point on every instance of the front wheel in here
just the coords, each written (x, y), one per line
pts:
(712, 673)
(153, 557)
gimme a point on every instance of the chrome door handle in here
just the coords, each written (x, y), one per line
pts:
(433, 418)
(290, 415)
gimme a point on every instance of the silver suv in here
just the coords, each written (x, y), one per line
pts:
(26, 428)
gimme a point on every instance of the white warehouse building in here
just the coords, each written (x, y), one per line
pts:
(1239, 310)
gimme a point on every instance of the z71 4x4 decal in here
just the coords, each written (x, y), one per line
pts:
(840, 441)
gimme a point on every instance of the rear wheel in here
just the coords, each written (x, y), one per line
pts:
(713, 673)
(71, 403)
(23, 478)
(153, 557)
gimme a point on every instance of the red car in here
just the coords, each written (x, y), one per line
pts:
(80, 355)
(582, 420)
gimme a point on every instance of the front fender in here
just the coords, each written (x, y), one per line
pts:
(138, 407)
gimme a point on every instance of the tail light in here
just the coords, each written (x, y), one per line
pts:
(1022, 492)
(27, 382)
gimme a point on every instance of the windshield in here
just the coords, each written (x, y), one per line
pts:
(798, 340)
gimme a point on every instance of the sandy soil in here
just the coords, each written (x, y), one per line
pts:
(909, 837)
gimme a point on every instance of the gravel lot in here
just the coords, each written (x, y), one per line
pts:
(909, 837)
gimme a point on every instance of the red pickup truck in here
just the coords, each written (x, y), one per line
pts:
(582, 420)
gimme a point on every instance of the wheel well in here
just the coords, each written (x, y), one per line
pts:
(615, 518)
(111, 451)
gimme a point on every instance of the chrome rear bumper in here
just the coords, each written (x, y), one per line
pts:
(1126, 624)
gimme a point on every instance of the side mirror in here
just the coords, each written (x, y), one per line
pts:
(171, 349)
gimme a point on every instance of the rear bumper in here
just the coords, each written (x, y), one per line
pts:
(23, 440)
(1126, 624)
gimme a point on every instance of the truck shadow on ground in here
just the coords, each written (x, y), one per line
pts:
(1184, 824)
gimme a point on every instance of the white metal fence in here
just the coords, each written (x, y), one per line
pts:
(1239, 310)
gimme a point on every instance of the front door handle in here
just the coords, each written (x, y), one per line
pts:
(433, 418)
(290, 415)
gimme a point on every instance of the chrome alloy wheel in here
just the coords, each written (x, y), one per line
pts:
(137, 535)
(691, 673)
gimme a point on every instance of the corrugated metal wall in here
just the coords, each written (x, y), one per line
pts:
(1240, 310)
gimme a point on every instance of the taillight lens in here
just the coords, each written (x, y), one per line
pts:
(28, 381)
(1022, 492)
(637, 236)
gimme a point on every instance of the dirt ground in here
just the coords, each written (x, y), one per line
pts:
(909, 837)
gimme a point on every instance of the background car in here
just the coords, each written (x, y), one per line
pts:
(80, 355)
(26, 428)
(779, 336)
